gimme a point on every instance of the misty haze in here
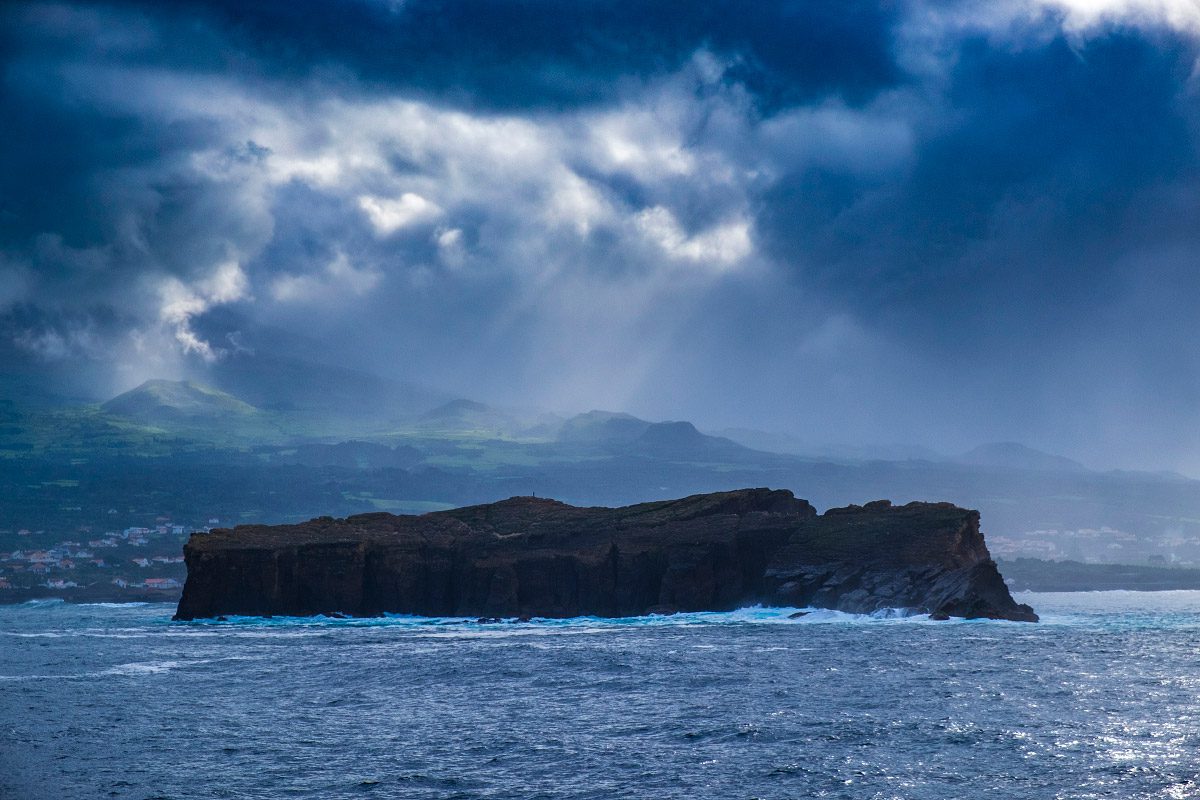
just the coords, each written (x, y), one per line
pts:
(527, 399)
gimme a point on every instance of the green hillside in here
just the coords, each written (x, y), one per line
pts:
(172, 401)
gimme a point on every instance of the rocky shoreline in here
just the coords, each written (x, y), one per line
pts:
(535, 557)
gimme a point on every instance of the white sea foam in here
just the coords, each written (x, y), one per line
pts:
(145, 667)
(1056, 609)
(131, 669)
(440, 626)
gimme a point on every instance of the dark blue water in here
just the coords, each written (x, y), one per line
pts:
(1100, 700)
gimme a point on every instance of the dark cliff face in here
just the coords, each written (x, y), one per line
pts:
(535, 557)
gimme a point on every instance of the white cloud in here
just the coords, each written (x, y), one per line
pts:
(181, 302)
(226, 284)
(578, 208)
(450, 237)
(450, 246)
(388, 215)
(575, 203)
(1008, 19)
(49, 344)
(719, 247)
(339, 278)
(1081, 14)
(638, 141)
(873, 140)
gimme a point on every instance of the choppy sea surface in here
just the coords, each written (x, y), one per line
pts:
(1101, 699)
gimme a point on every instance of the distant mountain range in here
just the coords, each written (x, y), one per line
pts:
(1000, 455)
(1011, 455)
(278, 398)
(470, 418)
(774, 442)
(299, 447)
(164, 402)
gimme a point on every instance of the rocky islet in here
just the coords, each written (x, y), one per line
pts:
(534, 557)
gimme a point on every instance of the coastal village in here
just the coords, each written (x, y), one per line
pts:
(134, 563)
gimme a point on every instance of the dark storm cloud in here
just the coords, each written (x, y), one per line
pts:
(1056, 189)
(944, 222)
(1044, 165)
(1053, 188)
(546, 54)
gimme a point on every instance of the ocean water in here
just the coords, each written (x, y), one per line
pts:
(1102, 699)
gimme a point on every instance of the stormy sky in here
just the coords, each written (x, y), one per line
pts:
(896, 221)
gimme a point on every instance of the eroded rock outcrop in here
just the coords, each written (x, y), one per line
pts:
(533, 557)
